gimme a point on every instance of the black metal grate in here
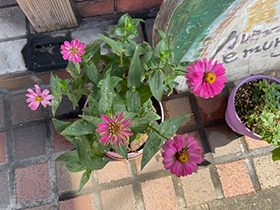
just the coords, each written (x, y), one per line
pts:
(42, 52)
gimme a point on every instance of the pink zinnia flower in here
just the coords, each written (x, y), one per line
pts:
(36, 98)
(114, 129)
(181, 155)
(206, 79)
(73, 51)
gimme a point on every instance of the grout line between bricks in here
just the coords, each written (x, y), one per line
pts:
(10, 149)
(96, 195)
(51, 166)
(177, 185)
(216, 182)
(253, 174)
(136, 186)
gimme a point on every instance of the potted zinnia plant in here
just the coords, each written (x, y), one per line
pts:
(118, 88)
(254, 110)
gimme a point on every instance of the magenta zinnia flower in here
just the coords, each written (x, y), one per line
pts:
(206, 79)
(181, 155)
(73, 51)
(114, 129)
(36, 98)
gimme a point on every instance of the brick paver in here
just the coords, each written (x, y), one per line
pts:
(155, 164)
(2, 119)
(222, 140)
(268, 171)
(22, 80)
(198, 188)
(12, 22)
(21, 112)
(118, 198)
(83, 202)
(159, 194)
(178, 106)
(212, 108)
(235, 178)
(4, 192)
(124, 6)
(255, 144)
(44, 207)
(96, 8)
(32, 182)
(68, 181)
(60, 143)
(120, 169)
(3, 150)
(26, 139)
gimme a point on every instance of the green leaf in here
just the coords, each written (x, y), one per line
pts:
(79, 127)
(91, 71)
(139, 125)
(152, 146)
(55, 84)
(116, 46)
(276, 154)
(60, 125)
(72, 161)
(107, 95)
(92, 48)
(90, 158)
(169, 127)
(91, 119)
(122, 150)
(56, 90)
(145, 93)
(75, 166)
(55, 103)
(73, 69)
(74, 99)
(160, 33)
(156, 81)
(133, 100)
(134, 73)
(84, 179)
(67, 156)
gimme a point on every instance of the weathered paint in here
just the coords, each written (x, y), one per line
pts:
(190, 25)
(244, 35)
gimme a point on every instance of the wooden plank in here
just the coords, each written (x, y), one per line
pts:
(49, 15)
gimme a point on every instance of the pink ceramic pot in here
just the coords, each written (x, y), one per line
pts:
(231, 116)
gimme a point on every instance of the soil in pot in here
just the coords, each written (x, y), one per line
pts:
(246, 103)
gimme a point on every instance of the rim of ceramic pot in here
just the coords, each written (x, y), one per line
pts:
(248, 79)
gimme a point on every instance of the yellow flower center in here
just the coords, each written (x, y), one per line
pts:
(182, 155)
(209, 77)
(114, 128)
(38, 99)
(74, 50)
(183, 158)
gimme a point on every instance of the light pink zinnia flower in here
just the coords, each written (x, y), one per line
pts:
(181, 155)
(73, 51)
(36, 98)
(114, 129)
(206, 79)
